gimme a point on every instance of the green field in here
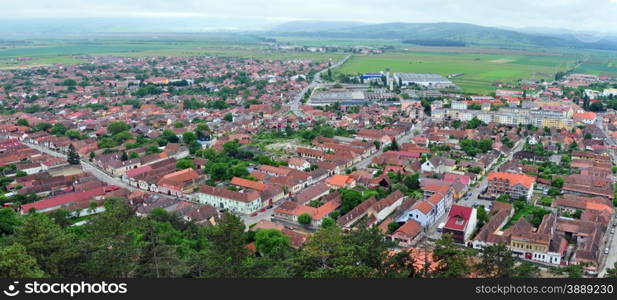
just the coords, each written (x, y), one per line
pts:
(70, 51)
(480, 69)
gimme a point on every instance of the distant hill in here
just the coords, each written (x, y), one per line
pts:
(441, 33)
(313, 26)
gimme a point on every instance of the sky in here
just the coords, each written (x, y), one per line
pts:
(578, 15)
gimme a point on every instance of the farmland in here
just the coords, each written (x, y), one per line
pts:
(479, 70)
(71, 51)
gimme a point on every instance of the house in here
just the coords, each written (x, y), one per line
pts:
(339, 181)
(312, 193)
(354, 215)
(299, 164)
(289, 211)
(460, 223)
(408, 234)
(222, 198)
(386, 206)
(179, 183)
(438, 165)
(514, 185)
(491, 233)
(249, 184)
(67, 200)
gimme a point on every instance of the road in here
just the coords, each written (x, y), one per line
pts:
(86, 166)
(295, 104)
(611, 241)
(480, 186)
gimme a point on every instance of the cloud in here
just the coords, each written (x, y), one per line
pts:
(568, 14)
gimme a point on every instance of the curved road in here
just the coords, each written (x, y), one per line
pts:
(295, 104)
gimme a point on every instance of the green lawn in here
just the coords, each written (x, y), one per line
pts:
(480, 69)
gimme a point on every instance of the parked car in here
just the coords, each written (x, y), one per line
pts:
(605, 250)
(253, 214)
(262, 210)
(270, 206)
(612, 230)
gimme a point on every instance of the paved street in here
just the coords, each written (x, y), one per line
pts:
(611, 241)
(295, 104)
(480, 186)
(88, 167)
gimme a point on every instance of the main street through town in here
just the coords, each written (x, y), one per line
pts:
(611, 241)
(295, 103)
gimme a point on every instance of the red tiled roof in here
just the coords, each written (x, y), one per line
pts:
(256, 185)
(513, 178)
(67, 198)
(458, 217)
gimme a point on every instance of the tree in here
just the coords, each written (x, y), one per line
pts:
(73, 134)
(8, 221)
(226, 254)
(557, 182)
(350, 199)
(15, 262)
(452, 261)
(394, 145)
(159, 259)
(189, 137)
(46, 242)
(124, 156)
(112, 247)
(228, 117)
(116, 127)
(271, 241)
(526, 270)
(73, 156)
(185, 164)
(327, 222)
(482, 216)
(496, 261)
(23, 122)
(412, 181)
(305, 219)
(393, 226)
(611, 272)
(58, 129)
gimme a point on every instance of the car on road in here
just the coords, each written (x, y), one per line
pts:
(605, 250)
(612, 230)
(270, 206)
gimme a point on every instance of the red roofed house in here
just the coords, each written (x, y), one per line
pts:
(515, 185)
(461, 223)
(66, 200)
(179, 183)
(339, 181)
(408, 235)
(245, 183)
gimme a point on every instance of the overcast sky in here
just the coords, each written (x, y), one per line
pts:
(588, 15)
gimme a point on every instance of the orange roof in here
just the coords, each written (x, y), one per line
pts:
(256, 185)
(598, 206)
(513, 178)
(410, 228)
(586, 115)
(340, 180)
(423, 206)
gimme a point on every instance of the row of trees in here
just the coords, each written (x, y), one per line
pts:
(118, 244)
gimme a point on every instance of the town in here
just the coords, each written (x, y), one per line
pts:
(284, 146)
